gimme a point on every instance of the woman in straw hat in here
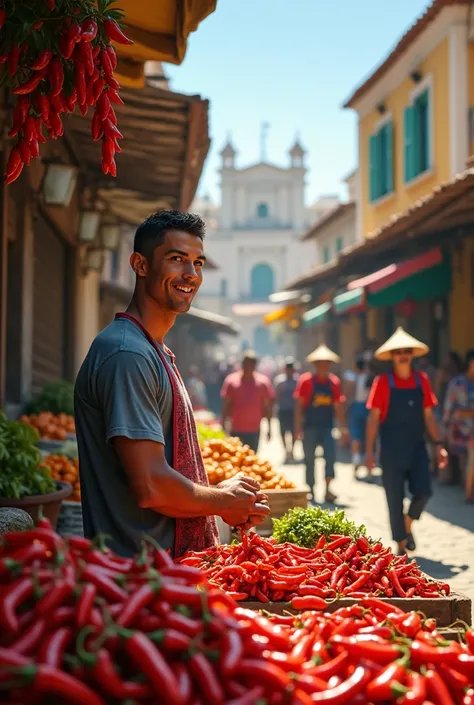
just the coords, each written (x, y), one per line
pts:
(318, 399)
(401, 404)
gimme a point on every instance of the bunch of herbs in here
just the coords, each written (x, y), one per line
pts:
(305, 526)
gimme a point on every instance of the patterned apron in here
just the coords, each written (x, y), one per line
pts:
(201, 532)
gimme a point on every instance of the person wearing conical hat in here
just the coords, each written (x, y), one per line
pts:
(319, 400)
(401, 407)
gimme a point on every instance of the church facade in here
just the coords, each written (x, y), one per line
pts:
(255, 239)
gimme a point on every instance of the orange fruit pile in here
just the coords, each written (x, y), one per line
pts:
(224, 458)
(49, 426)
(63, 469)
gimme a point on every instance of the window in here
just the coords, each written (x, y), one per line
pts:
(262, 210)
(381, 162)
(326, 255)
(261, 282)
(339, 244)
(417, 136)
(223, 288)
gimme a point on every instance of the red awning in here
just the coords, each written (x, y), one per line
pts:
(396, 272)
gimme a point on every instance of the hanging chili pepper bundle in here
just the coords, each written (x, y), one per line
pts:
(260, 569)
(59, 62)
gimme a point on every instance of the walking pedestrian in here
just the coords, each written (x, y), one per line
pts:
(319, 399)
(401, 405)
(358, 387)
(285, 386)
(248, 397)
(458, 422)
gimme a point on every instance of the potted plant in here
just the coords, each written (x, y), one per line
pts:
(24, 482)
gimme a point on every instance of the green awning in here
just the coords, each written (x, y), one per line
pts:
(348, 300)
(431, 283)
(316, 315)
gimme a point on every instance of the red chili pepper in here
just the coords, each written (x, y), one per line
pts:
(34, 149)
(231, 652)
(58, 103)
(114, 97)
(425, 654)
(266, 673)
(114, 32)
(337, 543)
(84, 50)
(456, 681)
(85, 605)
(14, 59)
(42, 61)
(71, 101)
(53, 649)
(106, 63)
(56, 124)
(56, 75)
(106, 676)
(388, 684)
(112, 83)
(66, 46)
(113, 60)
(98, 88)
(149, 660)
(31, 638)
(30, 85)
(359, 648)
(183, 678)
(27, 554)
(206, 679)
(54, 682)
(103, 106)
(3, 17)
(135, 602)
(23, 589)
(437, 689)
(55, 597)
(80, 82)
(469, 636)
(250, 697)
(88, 30)
(14, 175)
(105, 586)
(74, 33)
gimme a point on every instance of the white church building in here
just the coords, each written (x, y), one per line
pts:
(254, 237)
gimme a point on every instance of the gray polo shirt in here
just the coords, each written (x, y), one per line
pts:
(122, 389)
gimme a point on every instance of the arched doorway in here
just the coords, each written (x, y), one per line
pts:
(262, 282)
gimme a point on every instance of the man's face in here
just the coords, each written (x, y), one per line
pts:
(174, 274)
(403, 356)
(322, 367)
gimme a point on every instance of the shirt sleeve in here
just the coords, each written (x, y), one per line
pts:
(337, 395)
(226, 391)
(303, 389)
(127, 386)
(429, 397)
(378, 395)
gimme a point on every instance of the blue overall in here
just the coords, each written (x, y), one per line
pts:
(403, 455)
(317, 430)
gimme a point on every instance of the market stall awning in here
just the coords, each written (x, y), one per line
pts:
(260, 308)
(159, 30)
(388, 276)
(221, 324)
(281, 314)
(349, 301)
(316, 315)
(166, 140)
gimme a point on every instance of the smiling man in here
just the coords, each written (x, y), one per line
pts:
(141, 466)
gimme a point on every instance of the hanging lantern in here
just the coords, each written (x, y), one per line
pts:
(406, 308)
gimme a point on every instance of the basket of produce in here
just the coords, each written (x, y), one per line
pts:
(25, 482)
(217, 653)
(53, 430)
(66, 469)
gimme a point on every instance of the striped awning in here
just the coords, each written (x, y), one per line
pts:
(350, 300)
(316, 315)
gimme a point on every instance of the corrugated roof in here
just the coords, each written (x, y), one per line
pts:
(408, 38)
(328, 218)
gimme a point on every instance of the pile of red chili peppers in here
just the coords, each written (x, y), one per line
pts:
(82, 626)
(58, 56)
(260, 569)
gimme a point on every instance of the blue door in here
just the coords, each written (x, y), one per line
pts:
(262, 282)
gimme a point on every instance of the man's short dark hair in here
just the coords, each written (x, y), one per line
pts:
(151, 233)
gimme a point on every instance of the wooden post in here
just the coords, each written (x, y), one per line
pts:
(3, 276)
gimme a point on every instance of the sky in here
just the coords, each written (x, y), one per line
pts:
(291, 63)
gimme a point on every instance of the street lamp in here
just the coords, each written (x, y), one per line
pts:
(89, 226)
(110, 236)
(59, 182)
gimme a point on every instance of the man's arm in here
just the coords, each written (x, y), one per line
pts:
(372, 430)
(226, 413)
(432, 428)
(339, 408)
(298, 417)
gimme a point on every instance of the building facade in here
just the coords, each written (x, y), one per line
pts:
(256, 243)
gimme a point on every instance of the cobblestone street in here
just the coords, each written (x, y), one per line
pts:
(445, 534)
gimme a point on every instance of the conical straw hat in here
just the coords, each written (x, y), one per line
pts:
(401, 340)
(322, 353)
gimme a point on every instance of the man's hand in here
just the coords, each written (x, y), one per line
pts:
(260, 512)
(369, 460)
(241, 494)
(298, 434)
(441, 457)
(345, 437)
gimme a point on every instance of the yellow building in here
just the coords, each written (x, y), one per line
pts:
(413, 115)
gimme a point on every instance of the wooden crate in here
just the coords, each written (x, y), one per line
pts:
(280, 501)
(446, 610)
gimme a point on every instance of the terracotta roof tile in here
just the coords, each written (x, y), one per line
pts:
(326, 219)
(408, 38)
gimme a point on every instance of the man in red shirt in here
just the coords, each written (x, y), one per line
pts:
(318, 400)
(401, 404)
(248, 397)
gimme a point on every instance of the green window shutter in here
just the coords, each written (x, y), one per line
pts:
(339, 245)
(373, 176)
(389, 157)
(326, 254)
(409, 137)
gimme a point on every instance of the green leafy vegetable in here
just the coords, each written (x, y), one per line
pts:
(56, 397)
(21, 472)
(304, 526)
(207, 433)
